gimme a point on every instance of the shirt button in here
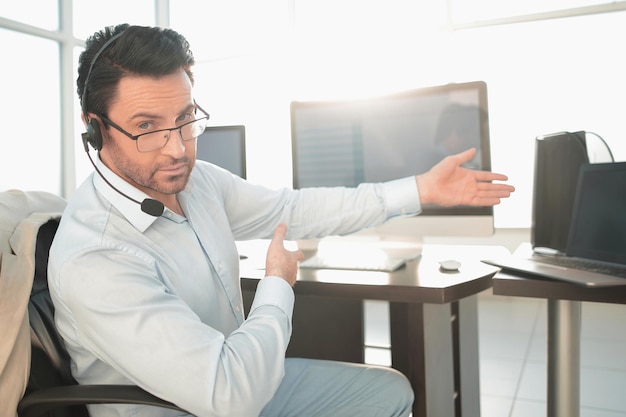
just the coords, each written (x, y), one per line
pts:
(237, 309)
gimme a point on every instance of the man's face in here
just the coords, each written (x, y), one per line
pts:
(142, 105)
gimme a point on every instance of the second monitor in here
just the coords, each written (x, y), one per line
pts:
(224, 146)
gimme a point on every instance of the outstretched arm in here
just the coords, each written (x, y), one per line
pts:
(449, 184)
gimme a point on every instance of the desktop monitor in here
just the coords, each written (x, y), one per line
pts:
(346, 142)
(224, 146)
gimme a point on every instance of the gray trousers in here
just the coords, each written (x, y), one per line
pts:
(316, 388)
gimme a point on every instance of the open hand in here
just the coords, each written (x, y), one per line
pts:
(450, 184)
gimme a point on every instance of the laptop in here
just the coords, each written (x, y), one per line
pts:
(596, 248)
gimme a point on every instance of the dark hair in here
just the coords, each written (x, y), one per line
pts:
(140, 50)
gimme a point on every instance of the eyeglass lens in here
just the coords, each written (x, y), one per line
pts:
(156, 140)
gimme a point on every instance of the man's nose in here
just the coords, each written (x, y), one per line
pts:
(175, 145)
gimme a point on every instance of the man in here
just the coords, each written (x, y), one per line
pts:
(151, 296)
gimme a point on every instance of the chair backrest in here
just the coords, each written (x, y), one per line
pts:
(21, 215)
(50, 362)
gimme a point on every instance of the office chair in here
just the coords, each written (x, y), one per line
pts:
(52, 391)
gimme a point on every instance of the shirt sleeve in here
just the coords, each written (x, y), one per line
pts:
(401, 197)
(254, 211)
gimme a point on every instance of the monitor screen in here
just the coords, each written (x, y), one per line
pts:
(346, 142)
(224, 146)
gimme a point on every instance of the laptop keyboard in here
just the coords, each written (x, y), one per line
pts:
(583, 265)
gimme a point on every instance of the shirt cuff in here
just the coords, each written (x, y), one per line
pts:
(401, 198)
(274, 291)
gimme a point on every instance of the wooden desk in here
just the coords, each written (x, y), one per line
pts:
(433, 320)
(564, 323)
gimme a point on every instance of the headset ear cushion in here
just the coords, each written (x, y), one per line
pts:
(94, 135)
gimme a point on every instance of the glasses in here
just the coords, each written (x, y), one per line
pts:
(157, 139)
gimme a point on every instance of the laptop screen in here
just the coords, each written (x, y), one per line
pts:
(598, 228)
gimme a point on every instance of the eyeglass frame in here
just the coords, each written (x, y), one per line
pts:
(136, 137)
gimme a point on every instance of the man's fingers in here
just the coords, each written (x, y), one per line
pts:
(487, 189)
(487, 176)
(279, 240)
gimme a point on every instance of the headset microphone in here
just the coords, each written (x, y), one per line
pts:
(152, 207)
(93, 136)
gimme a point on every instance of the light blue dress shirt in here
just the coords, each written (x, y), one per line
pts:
(156, 301)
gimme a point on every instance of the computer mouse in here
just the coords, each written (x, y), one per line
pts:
(449, 265)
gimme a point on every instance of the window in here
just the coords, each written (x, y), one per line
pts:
(30, 151)
(46, 16)
(34, 155)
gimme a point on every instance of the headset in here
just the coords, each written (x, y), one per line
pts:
(93, 137)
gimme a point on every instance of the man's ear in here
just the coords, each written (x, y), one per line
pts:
(82, 117)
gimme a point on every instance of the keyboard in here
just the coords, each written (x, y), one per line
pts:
(582, 264)
(362, 263)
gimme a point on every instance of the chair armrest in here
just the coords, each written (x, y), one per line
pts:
(41, 401)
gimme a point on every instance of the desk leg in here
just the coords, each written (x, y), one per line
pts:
(564, 321)
(467, 357)
(421, 348)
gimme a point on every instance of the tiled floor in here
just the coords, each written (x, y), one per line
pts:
(512, 343)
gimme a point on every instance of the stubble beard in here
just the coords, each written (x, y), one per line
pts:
(142, 178)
